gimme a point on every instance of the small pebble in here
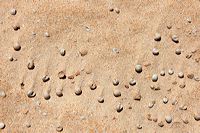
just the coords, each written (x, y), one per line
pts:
(115, 82)
(182, 85)
(178, 51)
(83, 52)
(45, 78)
(28, 125)
(119, 107)
(185, 120)
(162, 73)
(171, 72)
(13, 11)
(31, 94)
(100, 99)
(62, 52)
(46, 95)
(2, 94)
(136, 95)
(197, 79)
(183, 107)
(31, 65)
(10, 58)
(139, 126)
(168, 119)
(61, 75)
(93, 86)
(17, 46)
(174, 102)
(59, 93)
(165, 100)
(190, 76)
(181, 75)
(138, 68)
(155, 87)
(78, 91)
(155, 51)
(132, 82)
(188, 56)
(111, 9)
(160, 124)
(155, 119)
(115, 50)
(117, 10)
(116, 93)
(175, 38)
(197, 116)
(2, 125)
(151, 104)
(16, 27)
(157, 37)
(59, 128)
(46, 34)
(154, 77)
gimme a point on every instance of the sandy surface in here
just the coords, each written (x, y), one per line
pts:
(98, 26)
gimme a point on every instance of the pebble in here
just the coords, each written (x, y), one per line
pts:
(45, 78)
(115, 50)
(157, 37)
(31, 65)
(181, 75)
(137, 95)
(13, 11)
(165, 100)
(190, 76)
(61, 75)
(155, 51)
(138, 68)
(46, 34)
(46, 95)
(59, 128)
(188, 56)
(139, 126)
(2, 125)
(182, 85)
(174, 101)
(197, 79)
(183, 107)
(171, 72)
(185, 120)
(2, 93)
(197, 116)
(62, 52)
(168, 119)
(115, 82)
(178, 51)
(10, 58)
(117, 10)
(160, 124)
(155, 87)
(28, 125)
(93, 86)
(78, 91)
(162, 73)
(132, 82)
(59, 93)
(31, 94)
(119, 107)
(17, 46)
(175, 38)
(151, 104)
(116, 93)
(154, 77)
(83, 52)
(155, 119)
(111, 9)
(16, 27)
(100, 99)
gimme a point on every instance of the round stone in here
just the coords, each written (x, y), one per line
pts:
(138, 68)
(59, 93)
(46, 34)
(175, 38)
(119, 107)
(16, 27)
(157, 37)
(17, 46)
(13, 11)
(62, 52)
(31, 65)
(31, 94)
(154, 77)
(93, 86)
(2, 125)
(178, 51)
(116, 93)
(10, 58)
(83, 52)
(162, 73)
(59, 128)
(139, 126)
(78, 91)
(168, 119)
(155, 51)
(61, 75)
(46, 95)
(45, 78)
(165, 100)
(181, 75)
(115, 82)
(197, 116)
(100, 99)
(132, 82)
(2, 93)
(171, 72)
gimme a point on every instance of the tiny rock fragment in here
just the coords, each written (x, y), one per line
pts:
(83, 52)
(190, 76)
(61, 75)
(137, 95)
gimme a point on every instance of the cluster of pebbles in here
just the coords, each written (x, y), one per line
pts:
(116, 92)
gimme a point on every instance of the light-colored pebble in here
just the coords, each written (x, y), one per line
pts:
(78, 91)
(59, 128)
(115, 50)
(170, 71)
(46, 34)
(137, 95)
(31, 94)
(119, 107)
(116, 93)
(155, 87)
(61, 75)
(2, 125)
(183, 107)
(162, 73)
(168, 119)
(2, 93)
(115, 82)
(46, 95)
(45, 78)
(151, 104)
(196, 78)
(178, 51)
(10, 58)
(132, 82)
(138, 68)
(165, 100)
(154, 77)
(13, 11)
(31, 65)
(175, 38)
(181, 75)
(155, 51)
(157, 37)
(139, 126)
(100, 99)
(93, 86)
(185, 120)
(62, 52)
(197, 116)
(59, 93)
(83, 52)
(17, 46)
